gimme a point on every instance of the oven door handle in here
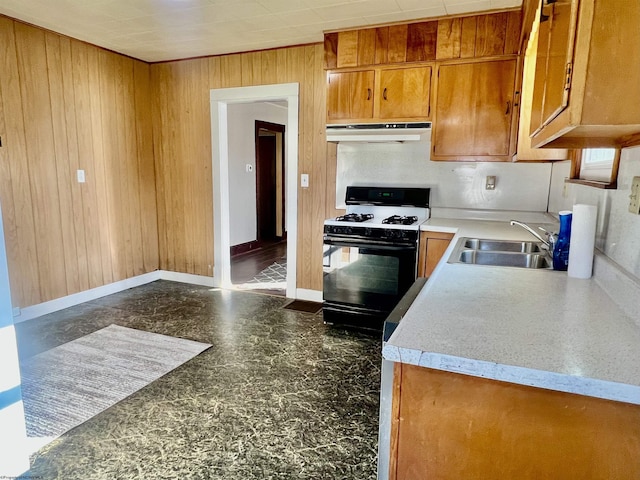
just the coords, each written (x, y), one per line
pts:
(391, 246)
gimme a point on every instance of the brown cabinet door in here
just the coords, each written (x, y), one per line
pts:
(350, 95)
(474, 109)
(554, 61)
(404, 92)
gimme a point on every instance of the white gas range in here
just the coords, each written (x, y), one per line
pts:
(370, 254)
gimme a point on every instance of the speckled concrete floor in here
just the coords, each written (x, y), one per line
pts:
(278, 396)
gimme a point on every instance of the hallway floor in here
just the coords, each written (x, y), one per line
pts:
(278, 396)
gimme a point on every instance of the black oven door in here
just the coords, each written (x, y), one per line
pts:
(364, 280)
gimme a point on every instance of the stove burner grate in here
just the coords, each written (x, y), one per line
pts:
(400, 220)
(354, 217)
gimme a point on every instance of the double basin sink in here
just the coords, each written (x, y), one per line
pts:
(502, 253)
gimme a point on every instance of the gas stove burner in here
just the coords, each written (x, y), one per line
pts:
(355, 217)
(400, 220)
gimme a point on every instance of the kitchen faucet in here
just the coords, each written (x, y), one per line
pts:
(549, 242)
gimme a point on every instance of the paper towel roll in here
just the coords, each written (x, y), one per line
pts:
(583, 239)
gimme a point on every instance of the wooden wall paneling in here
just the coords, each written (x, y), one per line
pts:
(397, 49)
(86, 161)
(421, 41)
(491, 34)
(160, 103)
(269, 67)
(305, 165)
(319, 172)
(20, 237)
(512, 35)
(204, 265)
(102, 207)
(330, 51)
(69, 101)
(332, 167)
(382, 45)
(135, 248)
(347, 49)
(367, 46)
(108, 172)
(282, 65)
(468, 37)
(251, 71)
(449, 38)
(231, 71)
(146, 168)
(36, 107)
(62, 161)
(126, 201)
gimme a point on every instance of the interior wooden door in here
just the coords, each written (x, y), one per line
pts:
(405, 92)
(350, 95)
(474, 110)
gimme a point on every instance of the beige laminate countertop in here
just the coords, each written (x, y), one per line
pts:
(532, 327)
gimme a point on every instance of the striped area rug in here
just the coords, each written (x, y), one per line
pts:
(67, 385)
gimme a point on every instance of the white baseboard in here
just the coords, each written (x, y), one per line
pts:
(51, 306)
(61, 303)
(310, 295)
(186, 278)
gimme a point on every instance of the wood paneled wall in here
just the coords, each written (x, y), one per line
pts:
(182, 139)
(64, 106)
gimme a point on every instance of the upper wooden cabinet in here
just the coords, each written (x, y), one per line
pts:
(474, 111)
(524, 151)
(380, 93)
(350, 95)
(443, 39)
(586, 84)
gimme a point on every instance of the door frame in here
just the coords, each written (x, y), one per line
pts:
(279, 131)
(219, 100)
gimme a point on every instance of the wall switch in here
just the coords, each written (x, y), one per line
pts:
(634, 198)
(249, 168)
(304, 180)
(491, 182)
(80, 174)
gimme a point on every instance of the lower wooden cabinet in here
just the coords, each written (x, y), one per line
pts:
(449, 426)
(432, 247)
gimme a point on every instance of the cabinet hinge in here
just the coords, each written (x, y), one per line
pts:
(567, 82)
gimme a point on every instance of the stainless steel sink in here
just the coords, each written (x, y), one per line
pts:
(505, 259)
(501, 253)
(502, 245)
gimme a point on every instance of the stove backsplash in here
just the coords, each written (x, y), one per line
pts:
(519, 186)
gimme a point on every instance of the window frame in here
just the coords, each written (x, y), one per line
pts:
(576, 157)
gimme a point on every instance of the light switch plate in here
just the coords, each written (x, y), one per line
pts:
(634, 198)
(80, 175)
(304, 180)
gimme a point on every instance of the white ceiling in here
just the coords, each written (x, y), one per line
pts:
(156, 30)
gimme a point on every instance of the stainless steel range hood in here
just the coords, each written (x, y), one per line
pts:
(378, 132)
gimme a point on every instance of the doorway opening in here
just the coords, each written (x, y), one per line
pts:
(227, 224)
(260, 265)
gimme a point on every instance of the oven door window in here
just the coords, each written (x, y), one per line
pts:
(372, 277)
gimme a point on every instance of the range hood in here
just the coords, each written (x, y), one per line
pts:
(378, 132)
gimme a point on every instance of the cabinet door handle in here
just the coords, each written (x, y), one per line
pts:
(384, 93)
(508, 107)
(368, 94)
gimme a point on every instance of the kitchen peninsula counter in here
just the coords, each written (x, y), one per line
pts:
(530, 327)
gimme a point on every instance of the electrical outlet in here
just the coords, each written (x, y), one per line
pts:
(80, 175)
(634, 198)
(490, 183)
